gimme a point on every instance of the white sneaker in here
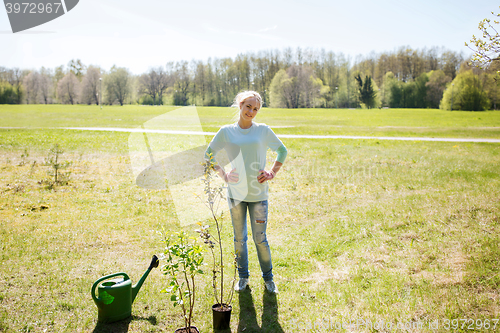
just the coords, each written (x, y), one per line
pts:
(271, 287)
(241, 285)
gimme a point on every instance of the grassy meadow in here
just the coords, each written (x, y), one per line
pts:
(393, 232)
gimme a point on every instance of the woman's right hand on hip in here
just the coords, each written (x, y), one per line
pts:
(231, 176)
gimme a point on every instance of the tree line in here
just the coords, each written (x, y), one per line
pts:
(292, 78)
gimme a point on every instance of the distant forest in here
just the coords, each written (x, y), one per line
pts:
(290, 78)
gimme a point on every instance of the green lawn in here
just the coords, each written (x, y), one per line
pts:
(394, 231)
(375, 122)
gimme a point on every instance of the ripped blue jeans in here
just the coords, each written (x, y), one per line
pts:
(258, 222)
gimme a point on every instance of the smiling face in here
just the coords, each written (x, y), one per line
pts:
(249, 108)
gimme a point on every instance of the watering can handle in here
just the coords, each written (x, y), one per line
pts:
(105, 278)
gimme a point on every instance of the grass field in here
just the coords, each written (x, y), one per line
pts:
(385, 122)
(404, 232)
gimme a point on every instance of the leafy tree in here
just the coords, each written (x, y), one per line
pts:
(182, 77)
(409, 89)
(77, 68)
(162, 82)
(466, 93)
(366, 92)
(146, 100)
(16, 79)
(411, 94)
(324, 95)
(210, 82)
(327, 70)
(346, 96)
(491, 83)
(292, 88)
(451, 63)
(435, 87)
(488, 49)
(296, 87)
(399, 93)
(317, 78)
(91, 86)
(200, 83)
(7, 93)
(183, 261)
(420, 92)
(147, 86)
(117, 83)
(53, 160)
(31, 86)
(312, 87)
(388, 81)
(68, 88)
(154, 84)
(277, 90)
(46, 86)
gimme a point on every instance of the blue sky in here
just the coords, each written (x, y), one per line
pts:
(142, 34)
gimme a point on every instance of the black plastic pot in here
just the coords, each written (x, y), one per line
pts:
(221, 316)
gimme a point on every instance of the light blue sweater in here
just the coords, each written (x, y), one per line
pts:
(246, 149)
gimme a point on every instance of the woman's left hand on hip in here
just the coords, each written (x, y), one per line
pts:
(264, 176)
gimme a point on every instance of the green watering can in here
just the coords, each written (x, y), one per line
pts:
(117, 295)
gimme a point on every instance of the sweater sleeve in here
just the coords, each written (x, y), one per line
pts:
(216, 145)
(275, 144)
(282, 152)
(212, 152)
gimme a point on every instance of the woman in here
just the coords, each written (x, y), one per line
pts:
(246, 143)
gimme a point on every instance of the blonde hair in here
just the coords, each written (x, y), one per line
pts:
(244, 95)
(240, 98)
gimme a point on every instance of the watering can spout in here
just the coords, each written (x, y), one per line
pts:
(138, 285)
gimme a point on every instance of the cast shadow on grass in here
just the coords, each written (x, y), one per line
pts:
(121, 326)
(248, 316)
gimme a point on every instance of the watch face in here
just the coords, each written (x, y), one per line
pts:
(26, 14)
